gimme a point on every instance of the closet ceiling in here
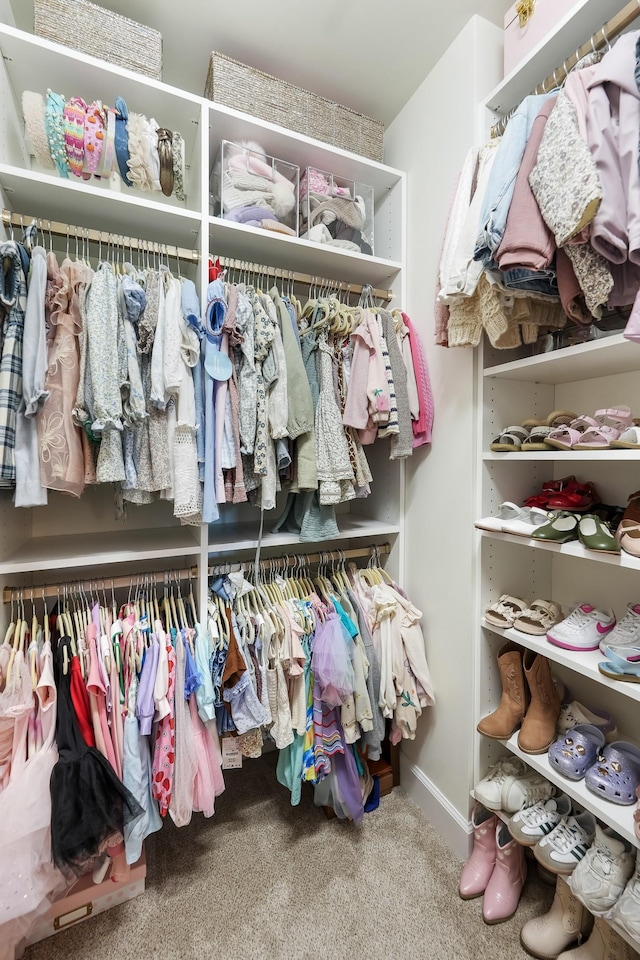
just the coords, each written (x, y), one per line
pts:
(368, 54)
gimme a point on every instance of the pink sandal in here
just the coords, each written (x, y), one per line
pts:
(611, 423)
(566, 438)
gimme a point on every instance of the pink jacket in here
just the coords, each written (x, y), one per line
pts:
(613, 131)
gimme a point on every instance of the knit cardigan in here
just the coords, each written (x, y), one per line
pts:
(423, 426)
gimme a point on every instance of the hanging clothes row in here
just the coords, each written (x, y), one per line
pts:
(111, 376)
(294, 392)
(111, 716)
(543, 225)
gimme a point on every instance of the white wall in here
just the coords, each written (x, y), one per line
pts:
(429, 139)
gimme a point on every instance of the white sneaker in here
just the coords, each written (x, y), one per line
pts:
(488, 791)
(571, 714)
(583, 629)
(626, 911)
(533, 823)
(626, 632)
(567, 844)
(525, 790)
(601, 876)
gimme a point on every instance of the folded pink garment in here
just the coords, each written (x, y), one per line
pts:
(251, 163)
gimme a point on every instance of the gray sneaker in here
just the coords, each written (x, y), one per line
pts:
(567, 844)
(533, 823)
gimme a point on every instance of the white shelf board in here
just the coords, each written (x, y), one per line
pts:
(572, 549)
(243, 242)
(585, 361)
(616, 816)
(570, 32)
(71, 73)
(584, 663)
(98, 549)
(129, 212)
(229, 124)
(228, 537)
(563, 455)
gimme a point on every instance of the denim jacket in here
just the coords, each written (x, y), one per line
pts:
(502, 181)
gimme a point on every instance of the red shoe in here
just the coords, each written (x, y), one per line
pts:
(549, 489)
(576, 497)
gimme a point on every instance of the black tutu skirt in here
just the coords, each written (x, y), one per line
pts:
(89, 804)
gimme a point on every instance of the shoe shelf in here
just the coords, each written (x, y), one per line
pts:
(618, 817)
(586, 361)
(563, 456)
(584, 663)
(232, 538)
(572, 549)
(243, 242)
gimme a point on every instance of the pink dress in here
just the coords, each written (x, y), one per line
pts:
(209, 782)
(164, 752)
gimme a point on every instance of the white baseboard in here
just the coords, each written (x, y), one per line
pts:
(453, 826)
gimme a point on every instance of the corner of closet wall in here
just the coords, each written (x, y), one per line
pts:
(429, 139)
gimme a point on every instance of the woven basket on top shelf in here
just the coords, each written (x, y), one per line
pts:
(234, 84)
(100, 33)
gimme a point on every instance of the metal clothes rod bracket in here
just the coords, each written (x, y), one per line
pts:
(382, 549)
(156, 578)
(601, 38)
(71, 232)
(337, 286)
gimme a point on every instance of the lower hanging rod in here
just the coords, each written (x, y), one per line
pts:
(71, 232)
(157, 578)
(308, 279)
(311, 559)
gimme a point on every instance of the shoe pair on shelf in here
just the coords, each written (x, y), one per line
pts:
(496, 869)
(533, 619)
(530, 434)
(564, 526)
(565, 494)
(606, 428)
(588, 628)
(529, 700)
(569, 924)
(611, 771)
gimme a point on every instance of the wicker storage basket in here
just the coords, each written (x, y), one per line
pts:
(244, 88)
(100, 33)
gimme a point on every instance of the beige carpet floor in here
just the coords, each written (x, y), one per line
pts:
(263, 881)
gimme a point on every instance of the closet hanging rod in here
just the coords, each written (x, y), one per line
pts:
(71, 232)
(272, 563)
(601, 38)
(304, 278)
(155, 578)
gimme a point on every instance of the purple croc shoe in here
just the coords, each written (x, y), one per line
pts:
(616, 773)
(576, 750)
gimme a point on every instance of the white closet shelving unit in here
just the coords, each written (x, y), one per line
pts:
(583, 379)
(81, 537)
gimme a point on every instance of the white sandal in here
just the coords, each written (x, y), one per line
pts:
(505, 611)
(510, 439)
(540, 617)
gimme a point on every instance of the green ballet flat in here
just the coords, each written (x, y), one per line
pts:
(561, 528)
(595, 535)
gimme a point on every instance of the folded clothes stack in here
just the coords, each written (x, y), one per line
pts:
(334, 212)
(258, 190)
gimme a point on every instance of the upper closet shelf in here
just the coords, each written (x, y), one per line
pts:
(127, 212)
(34, 63)
(243, 242)
(570, 32)
(228, 124)
(597, 358)
(230, 537)
(102, 549)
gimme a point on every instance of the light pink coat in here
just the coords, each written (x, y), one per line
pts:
(613, 131)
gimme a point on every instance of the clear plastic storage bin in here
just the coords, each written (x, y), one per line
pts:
(252, 188)
(336, 211)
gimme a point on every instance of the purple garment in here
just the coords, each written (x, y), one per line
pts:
(145, 705)
(347, 790)
(245, 214)
(192, 677)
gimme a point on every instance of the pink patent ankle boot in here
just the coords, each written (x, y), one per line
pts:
(502, 894)
(479, 867)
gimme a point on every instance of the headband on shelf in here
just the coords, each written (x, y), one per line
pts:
(54, 125)
(93, 137)
(33, 109)
(165, 154)
(178, 166)
(122, 140)
(74, 116)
